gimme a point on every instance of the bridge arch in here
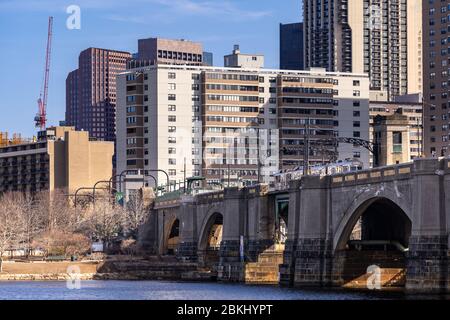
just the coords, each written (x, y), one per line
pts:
(210, 239)
(361, 204)
(172, 236)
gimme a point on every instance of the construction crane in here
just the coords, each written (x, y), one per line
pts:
(41, 117)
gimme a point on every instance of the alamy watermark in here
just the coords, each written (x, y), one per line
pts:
(73, 22)
(74, 281)
(374, 280)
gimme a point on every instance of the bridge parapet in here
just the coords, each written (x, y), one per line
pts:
(375, 175)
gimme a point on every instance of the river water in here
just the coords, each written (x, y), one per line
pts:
(165, 290)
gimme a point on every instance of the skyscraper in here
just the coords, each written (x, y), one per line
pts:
(378, 37)
(91, 92)
(291, 46)
(436, 53)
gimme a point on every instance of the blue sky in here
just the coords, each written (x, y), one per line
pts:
(117, 24)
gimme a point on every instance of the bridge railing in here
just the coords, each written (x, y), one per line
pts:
(374, 174)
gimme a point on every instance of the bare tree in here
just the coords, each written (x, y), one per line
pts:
(136, 213)
(31, 219)
(105, 221)
(11, 228)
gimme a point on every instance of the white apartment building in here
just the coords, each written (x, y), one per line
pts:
(217, 122)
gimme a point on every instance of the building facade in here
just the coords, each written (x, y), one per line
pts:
(243, 60)
(91, 92)
(413, 112)
(291, 46)
(61, 159)
(236, 124)
(392, 138)
(168, 51)
(436, 77)
(378, 37)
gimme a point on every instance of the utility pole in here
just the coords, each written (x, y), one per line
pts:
(184, 179)
(258, 155)
(306, 150)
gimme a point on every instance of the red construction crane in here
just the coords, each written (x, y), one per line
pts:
(41, 117)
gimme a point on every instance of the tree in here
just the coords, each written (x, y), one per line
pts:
(136, 213)
(11, 227)
(105, 221)
(31, 218)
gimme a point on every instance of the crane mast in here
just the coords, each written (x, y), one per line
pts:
(41, 117)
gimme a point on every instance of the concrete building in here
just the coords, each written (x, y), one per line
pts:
(413, 112)
(392, 137)
(381, 38)
(168, 51)
(91, 92)
(243, 60)
(231, 124)
(61, 158)
(291, 46)
(436, 78)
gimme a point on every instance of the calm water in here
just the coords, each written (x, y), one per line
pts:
(163, 290)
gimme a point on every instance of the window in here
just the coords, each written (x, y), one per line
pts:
(356, 113)
(195, 98)
(172, 161)
(172, 151)
(172, 118)
(172, 97)
(131, 98)
(172, 107)
(356, 93)
(356, 134)
(195, 76)
(172, 75)
(356, 124)
(195, 87)
(356, 103)
(397, 142)
(172, 129)
(131, 120)
(172, 86)
(356, 83)
(172, 172)
(172, 140)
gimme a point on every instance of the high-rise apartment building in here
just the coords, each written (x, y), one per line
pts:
(91, 92)
(379, 37)
(291, 46)
(436, 77)
(61, 158)
(235, 123)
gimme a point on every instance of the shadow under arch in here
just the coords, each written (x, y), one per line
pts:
(172, 238)
(355, 212)
(380, 229)
(210, 241)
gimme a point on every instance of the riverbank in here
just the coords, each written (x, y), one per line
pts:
(115, 269)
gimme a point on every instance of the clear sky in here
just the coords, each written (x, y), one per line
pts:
(117, 24)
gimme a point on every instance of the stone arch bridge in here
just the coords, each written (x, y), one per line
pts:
(331, 228)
